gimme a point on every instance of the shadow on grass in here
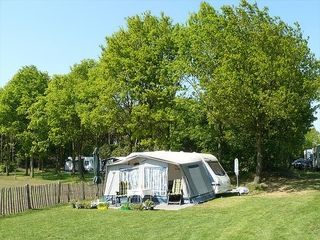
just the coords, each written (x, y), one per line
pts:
(300, 180)
(290, 180)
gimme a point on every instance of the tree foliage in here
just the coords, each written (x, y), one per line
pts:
(312, 138)
(137, 68)
(235, 82)
(258, 75)
(22, 91)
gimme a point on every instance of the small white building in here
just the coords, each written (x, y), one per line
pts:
(153, 173)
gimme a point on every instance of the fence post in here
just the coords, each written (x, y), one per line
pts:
(10, 205)
(28, 196)
(1, 201)
(68, 196)
(83, 191)
(59, 192)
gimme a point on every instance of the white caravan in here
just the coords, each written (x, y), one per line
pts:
(152, 173)
(316, 157)
(220, 180)
(87, 164)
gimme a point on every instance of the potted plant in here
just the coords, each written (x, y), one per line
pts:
(102, 205)
(149, 204)
(73, 203)
(83, 204)
(137, 206)
(125, 206)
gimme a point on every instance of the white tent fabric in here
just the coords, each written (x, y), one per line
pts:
(150, 170)
(176, 158)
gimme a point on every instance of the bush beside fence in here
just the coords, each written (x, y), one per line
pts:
(19, 199)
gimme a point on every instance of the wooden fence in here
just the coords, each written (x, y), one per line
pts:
(19, 199)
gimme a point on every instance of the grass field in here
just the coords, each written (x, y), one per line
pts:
(288, 209)
(40, 177)
(263, 216)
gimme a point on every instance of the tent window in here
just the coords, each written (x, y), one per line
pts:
(131, 176)
(155, 178)
(216, 168)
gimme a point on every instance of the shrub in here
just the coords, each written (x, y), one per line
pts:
(125, 206)
(73, 203)
(12, 167)
(149, 204)
(83, 205)
(136, 206)
(263, 186)
(2, 168)
(103, 205)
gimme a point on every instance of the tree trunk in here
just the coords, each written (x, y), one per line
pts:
(257, 177)
(7, 168)
(57, 167)
(73, 159)
(220, 140)
(81, 169)
(60, 162)
(27, 167)
(80, 161)
(1, 149)
(31, 167)
(41, 163)
(130, 143)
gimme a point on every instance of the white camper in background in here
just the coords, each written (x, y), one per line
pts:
(68, 165)
(316, 157)
(308, 154)
(220, 179)
(87, 164)
(153, 173)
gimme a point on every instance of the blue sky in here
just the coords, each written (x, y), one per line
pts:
(54, 35)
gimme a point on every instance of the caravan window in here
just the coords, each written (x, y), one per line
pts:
(216, 168)
(155, 178)
(130, 175)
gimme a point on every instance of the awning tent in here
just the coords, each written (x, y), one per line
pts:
(155, 171)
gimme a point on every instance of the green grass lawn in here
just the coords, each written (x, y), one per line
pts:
(288, 209)
(40, 177)
(277, 215)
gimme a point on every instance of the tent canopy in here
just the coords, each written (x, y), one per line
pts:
(176, 158)
(154, 171)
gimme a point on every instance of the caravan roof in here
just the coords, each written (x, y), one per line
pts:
(177, 158)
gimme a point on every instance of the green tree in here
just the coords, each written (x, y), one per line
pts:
(63, 121)
(39, 128)
(312, 138)
(66, 110)
(257, 74)
(138, 74)
(17, 97)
